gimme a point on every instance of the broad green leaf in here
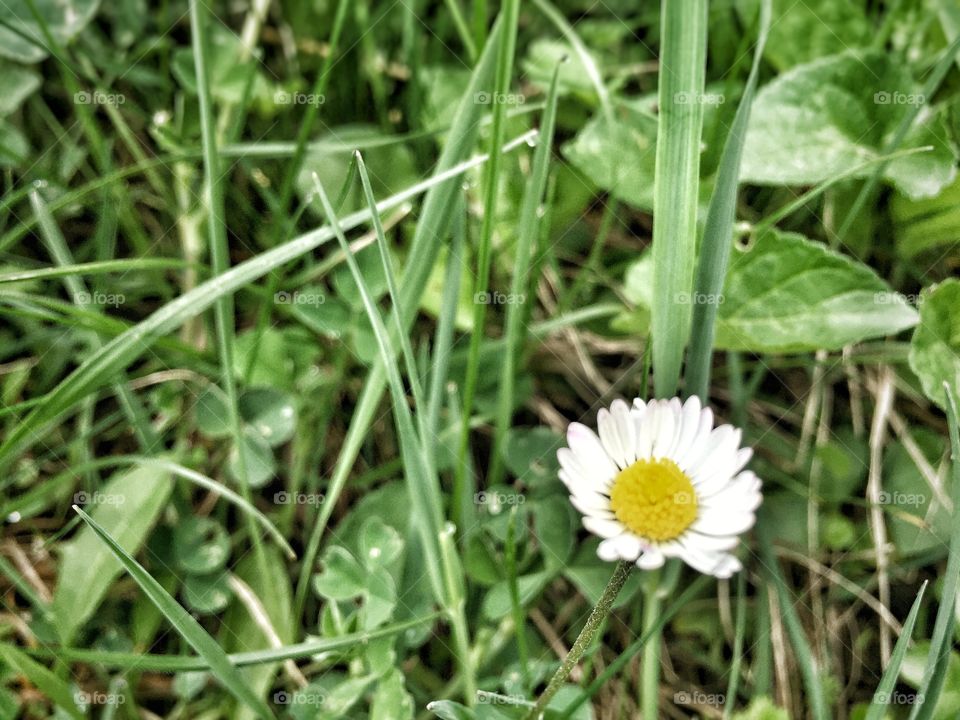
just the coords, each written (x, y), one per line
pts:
(186, 626)
(259, 462)
(391, 701)
(822, 118)
(127, 506)
(935, 347)
(212, 411)
(531, 455)
(24, 41)
(450, 710)
(229, 79)
(790, 294)
(804, 31)
(618, 156)
(17, 83)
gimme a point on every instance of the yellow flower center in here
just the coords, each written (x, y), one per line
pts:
(654, 498)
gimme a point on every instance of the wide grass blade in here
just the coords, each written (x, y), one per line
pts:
(718, 232)
(880, 704)
(221, 667)
(683, 31)
(527, 234)
(941, 642)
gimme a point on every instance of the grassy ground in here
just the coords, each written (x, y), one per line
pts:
(279, 418)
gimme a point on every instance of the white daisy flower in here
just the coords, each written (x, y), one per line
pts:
(660, 481)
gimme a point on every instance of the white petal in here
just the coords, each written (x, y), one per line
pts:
(647, 429)
(666, 436)
(723, 522)
(689, 423)
(720, 451)
(639, 406)
(627, 430)
(603, 528)
(651, 559)
(711, 543)
(592, 504)
(622, 547)
(721, 565)
(700, 439)
(589, 453)
(617, 433)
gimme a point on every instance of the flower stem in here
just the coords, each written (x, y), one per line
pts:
(600, 612)
(650, 666)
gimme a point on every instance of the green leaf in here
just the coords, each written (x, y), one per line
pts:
(824, 117)
(391, 701)
(259, 462)
(24, 41)
(200, 545)
(270, 413)
(789, 294)
(380, 544)
(450, 710)
(17, 83)
(213, 413)
(207, 594)
(804, 31)
(618, 155)
(935, 347)
(189, 629)
(127, 506)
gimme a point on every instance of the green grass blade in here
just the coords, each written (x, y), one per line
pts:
(718, 232)
(146, 662)
(46, 681)
(424, 491)
(816, 700)
(739, 633)
(527, 234)
(99, 368)
(941, 642)
(93, 268)
(183, 622)
(506, 48)
(676, 181)
(880, 704)
(432, 226)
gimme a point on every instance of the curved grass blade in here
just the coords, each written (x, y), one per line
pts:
(879, 706)
(93, 268)
(221, 667)
(718, 231)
